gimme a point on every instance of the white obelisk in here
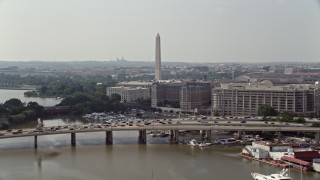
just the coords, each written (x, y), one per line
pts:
(158, 59)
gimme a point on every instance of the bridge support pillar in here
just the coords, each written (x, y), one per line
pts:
(208, 135)
(279, 136)
(317, 138)
(171, 133)
(176, 136)
(35, 141)
(239, 135)
(109, 137)
(243, 136)
(73, 139)
(202, 133)
(142, 136)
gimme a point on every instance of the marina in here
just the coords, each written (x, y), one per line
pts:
(283, 155)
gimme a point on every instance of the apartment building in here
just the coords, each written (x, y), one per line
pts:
(244, 98)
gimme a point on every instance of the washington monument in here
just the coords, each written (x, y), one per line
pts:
(158, 59)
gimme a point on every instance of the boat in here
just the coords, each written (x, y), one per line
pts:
(282, 175)
(316, 165)
(193, 142)
(228, 141)
(204, 144)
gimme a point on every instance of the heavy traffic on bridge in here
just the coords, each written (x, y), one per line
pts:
(175, 124)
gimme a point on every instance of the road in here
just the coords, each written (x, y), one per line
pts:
(175, 125)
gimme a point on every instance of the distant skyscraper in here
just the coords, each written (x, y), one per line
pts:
(158, 59)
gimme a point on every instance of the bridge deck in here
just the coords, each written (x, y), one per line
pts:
(30, 132)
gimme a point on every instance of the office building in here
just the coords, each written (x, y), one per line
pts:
(243, 99)
(129, 94)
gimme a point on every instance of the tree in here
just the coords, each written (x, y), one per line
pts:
(268, 135)
(267, 110)
(19, 118)
(315, 124)
(216, 113)
(43, 89)
(301, 120)
(29, 114)
(14, 106)
(115, 97)
(13, 102)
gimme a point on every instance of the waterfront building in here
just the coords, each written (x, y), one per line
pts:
(187, 96)
(243, 99)
(129, 94)
(158, 59)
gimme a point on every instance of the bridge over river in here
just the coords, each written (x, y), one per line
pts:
(174, 129)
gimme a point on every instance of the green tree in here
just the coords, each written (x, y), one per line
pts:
(115, 97)
(14, 106)
(267, 110)
(144, 103)
(13, 102)
(29, 114)
(268, 135)
(315, 124)
(301, 120)
(216, 113)
(20, 118)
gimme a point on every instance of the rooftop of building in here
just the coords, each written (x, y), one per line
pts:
(280, 75)
(267, 85)
(127, 88)
(136, 83)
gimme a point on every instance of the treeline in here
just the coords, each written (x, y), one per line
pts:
(84, 103)
(266, 110)
(66, 85)
(14, 111)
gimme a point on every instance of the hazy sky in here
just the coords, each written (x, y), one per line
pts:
(190, 30)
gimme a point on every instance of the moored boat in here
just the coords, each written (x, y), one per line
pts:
(193, 142)
(204, 144)
(282, 175)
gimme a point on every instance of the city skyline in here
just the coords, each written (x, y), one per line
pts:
(193, 31)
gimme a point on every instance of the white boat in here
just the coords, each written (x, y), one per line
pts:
(193, 142)
(228, 141)
(316, 165)
(282, 175)
(204, 144)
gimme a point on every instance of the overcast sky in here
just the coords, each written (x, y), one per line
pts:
(190, 30)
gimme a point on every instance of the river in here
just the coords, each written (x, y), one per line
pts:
(6, 94)
(126, 159)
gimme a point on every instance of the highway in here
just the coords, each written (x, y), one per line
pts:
(175, 125)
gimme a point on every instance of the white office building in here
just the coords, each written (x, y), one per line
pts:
(245, 98)
(129, 94)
